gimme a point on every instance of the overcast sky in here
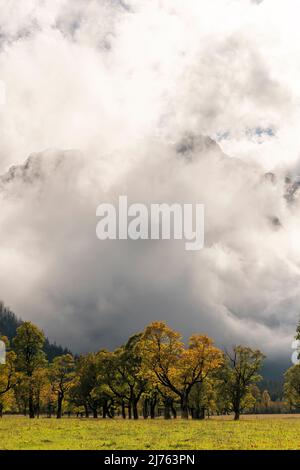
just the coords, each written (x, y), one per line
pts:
(102, 93)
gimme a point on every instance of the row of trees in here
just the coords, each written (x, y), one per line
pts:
(153, 373)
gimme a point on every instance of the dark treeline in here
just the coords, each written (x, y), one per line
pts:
(154, 374)
(8, 327)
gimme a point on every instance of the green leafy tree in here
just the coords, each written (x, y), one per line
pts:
(21, 393)
(62, 376)
(124, 375)
(28, 344)
(238, 374)
(40, 379)
(257, 396)
(130, 368)
(85, 387)
(202, 399)
(168, 399)
(292, 386)
(111, 381)
(150, 400)
(222, 399)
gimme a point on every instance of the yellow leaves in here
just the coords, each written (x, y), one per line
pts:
(171, 362)
(7, 373)
(203, 352)
(162, 331)
(199, 359)
(161, 346)
(5, 340)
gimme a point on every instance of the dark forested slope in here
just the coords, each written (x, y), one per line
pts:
(9, 323)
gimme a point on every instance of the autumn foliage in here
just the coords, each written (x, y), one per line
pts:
(153, 374)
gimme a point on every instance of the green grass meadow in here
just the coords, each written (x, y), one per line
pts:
(251, 432)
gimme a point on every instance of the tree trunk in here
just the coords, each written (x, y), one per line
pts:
(31, 404)
(123, 410)
(49, 410)
(95, 413)
(59, 405)
(86, 411)
(184, 407)
(237, 408)
(145, 409)
(198, 412)
(129, 411)
(135, 409)
(38, 407)
(174, 412)
(1, 410)
(167, 410)
(110, 409)
(152, 409)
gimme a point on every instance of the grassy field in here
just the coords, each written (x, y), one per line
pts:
(261, 432)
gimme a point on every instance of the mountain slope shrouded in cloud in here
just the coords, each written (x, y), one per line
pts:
(89, 294)
(162, 101)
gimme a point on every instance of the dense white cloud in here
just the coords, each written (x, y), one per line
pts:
(122, 82)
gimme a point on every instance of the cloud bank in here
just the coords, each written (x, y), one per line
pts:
(165, 101)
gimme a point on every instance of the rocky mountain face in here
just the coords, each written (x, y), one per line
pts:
(40, 167)
(292, 189)
(191, 144)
